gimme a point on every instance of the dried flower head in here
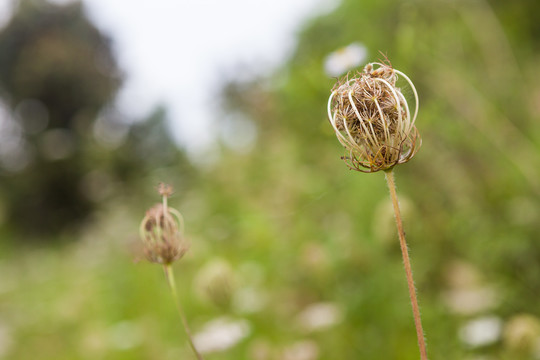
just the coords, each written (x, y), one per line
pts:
(162, 231)
(165, 189)
(372, 119)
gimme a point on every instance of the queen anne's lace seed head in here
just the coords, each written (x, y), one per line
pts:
(162, 231)
(372, 119)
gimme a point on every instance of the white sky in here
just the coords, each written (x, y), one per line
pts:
(175, 51)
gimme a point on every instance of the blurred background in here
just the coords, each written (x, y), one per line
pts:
(293, 256)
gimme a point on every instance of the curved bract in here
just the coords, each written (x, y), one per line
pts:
(372, 119)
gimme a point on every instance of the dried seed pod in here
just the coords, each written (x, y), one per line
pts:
(372, 119)
(161, 231)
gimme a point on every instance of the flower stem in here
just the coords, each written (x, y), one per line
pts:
(389, 175)
(172, 285)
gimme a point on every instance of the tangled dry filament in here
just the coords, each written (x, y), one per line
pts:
(372, 119)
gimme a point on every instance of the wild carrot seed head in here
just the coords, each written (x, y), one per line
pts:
(372, 119)
(162, 230)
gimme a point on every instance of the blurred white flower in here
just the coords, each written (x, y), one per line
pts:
(481, 331)
(319, 316)
(345, 59)
(221, 334)
(467, 293)
(302, 350)
(471, 301)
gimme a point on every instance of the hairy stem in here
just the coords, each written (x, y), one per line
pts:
(389, 175)
(172, 285)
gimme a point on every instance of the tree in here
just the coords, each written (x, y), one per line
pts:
(57, 71)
